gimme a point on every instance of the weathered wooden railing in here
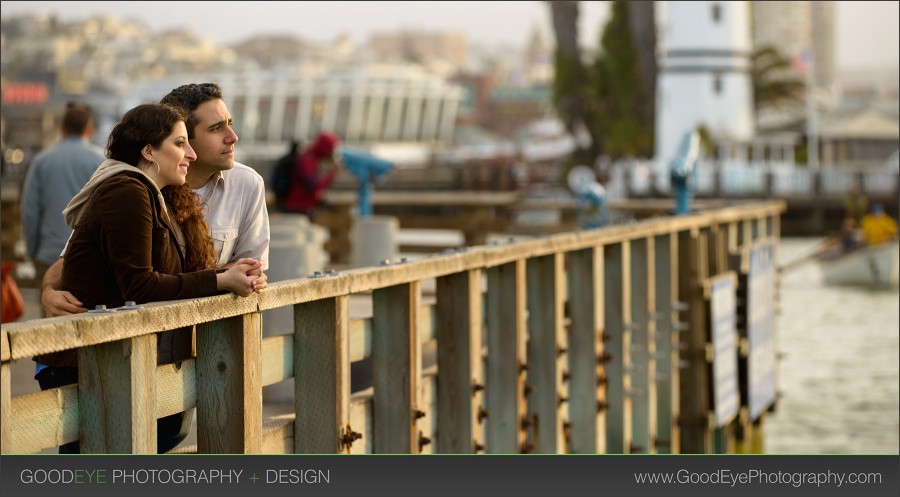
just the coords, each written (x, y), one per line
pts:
(567, 343)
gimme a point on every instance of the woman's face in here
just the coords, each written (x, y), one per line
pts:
(174, 156)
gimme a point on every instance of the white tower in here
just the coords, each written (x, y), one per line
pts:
(704, 74)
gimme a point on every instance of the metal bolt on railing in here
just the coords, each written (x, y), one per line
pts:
(483, 413)
(325, 274)
(423, 440)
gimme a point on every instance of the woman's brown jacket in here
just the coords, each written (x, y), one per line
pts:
(123, 248)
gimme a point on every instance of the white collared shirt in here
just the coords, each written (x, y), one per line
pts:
(235, 210)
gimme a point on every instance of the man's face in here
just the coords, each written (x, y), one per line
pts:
(214, 137)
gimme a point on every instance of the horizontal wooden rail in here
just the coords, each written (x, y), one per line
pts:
(571, 321)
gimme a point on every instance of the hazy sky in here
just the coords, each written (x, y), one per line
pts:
(867, 32)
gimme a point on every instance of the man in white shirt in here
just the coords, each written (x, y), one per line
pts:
(234, 194)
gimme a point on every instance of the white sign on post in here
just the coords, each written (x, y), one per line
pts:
(724, 340)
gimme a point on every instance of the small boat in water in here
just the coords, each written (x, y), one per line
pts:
(873, 266)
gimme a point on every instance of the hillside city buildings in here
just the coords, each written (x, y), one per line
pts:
(409, 92)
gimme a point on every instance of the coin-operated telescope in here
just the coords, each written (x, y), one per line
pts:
(683, 171)
(368, 170)
(590, 196)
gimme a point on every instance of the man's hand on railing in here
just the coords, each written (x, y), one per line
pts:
(238, 279)
(60, 303)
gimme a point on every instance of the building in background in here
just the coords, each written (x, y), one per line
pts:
(794, 27)
(704, 76)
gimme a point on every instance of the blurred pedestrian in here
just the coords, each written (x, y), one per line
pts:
(314, 171)
(856, 204)
(281, 173)
(55, 176)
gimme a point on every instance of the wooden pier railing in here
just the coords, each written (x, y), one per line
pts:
(586, 342)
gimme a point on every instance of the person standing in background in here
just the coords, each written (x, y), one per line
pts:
(313, 173)
(856, 204)
(55, 176)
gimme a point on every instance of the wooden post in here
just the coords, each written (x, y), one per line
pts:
(545, 350)
(667, 340)
(338, 219)
(396, 369)
(460, 381)
(617, 354)
(117, 396)
(643, 348)
(695, 381)
(322, 377)
(5, 395)
(506, 337)
(586, 346)
(229, 385)
(478, 223)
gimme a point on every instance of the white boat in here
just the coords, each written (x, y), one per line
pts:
(875, 266)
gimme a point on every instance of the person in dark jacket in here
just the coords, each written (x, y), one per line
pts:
(141, 253)
(314, 172)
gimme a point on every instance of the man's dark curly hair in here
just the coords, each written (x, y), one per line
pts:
(189, 97)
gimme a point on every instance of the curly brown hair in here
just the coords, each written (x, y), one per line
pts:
(187, 209)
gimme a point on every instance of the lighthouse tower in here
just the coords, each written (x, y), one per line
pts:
(704, 74)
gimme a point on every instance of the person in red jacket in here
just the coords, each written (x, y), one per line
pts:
(314, 172)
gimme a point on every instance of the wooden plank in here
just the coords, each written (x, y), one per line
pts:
(643, 347)
(5, 395)
(5, 409)
(322, 377)
(588, 430)
(617, 316)
(176, 387)
(428, 198)
(277, 359)
(396, 368)
(459, 338)
(667, 340)
(40, 336)
(229, 385)
(695, 392)
(506, 335)
(546, 342)
(428, 435)
(117, 397)
(44, 419)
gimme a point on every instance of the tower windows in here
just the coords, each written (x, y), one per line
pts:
(716, 12)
